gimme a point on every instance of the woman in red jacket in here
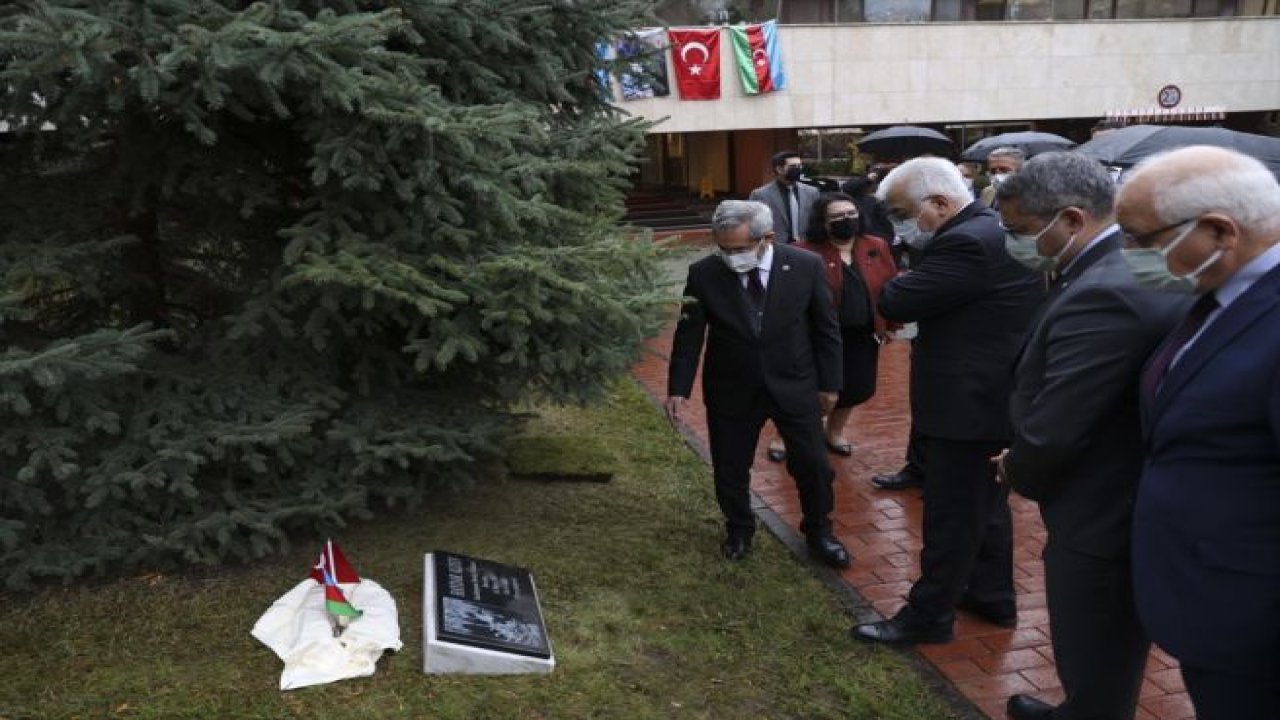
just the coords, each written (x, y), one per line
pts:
(857, 267)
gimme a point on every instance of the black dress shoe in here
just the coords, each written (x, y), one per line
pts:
(776, 454)
(1025, 707)
(830, 551)
(844, 449)
(896, 631)
(736, 548)
(897, 481)
(989, 613)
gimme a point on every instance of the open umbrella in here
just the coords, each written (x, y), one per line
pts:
(905, 141)
(1030, 143)
(1129, 145)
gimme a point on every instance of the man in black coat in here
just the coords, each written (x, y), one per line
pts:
(973, 304)
(773, 352)
(1077, 437)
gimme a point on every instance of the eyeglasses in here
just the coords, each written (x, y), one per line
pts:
(851, 215)
(1147, 239)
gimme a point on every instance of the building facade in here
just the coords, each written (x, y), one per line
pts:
(969, 68)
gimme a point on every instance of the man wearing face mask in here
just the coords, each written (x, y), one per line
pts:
(1002, 164)
(773, 352)
(973, 304)
(1206, 529)
(1077, 445)
(788, 199)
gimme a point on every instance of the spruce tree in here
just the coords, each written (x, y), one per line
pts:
(269, 266)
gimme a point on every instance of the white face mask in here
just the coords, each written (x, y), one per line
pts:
(911, 234)
(1023, 248)
(997, 179)
(742, 262)
(1150, 266)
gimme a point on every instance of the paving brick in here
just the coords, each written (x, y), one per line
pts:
(1000, 663)
(999, 686)
(1170, 707)
(1044, 677)
(1169, 679)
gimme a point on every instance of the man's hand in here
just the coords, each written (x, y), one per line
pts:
(674, 406)
(827, 401)
(1001, 477)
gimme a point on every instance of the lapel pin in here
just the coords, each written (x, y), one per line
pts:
(786, 268)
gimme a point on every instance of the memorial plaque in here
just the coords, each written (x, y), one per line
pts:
(488, 605)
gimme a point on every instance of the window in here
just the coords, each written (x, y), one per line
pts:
(801, 12)
(898, 10)
(1030, 9)
(989, 10)
(1140, 9)
(1069, 9)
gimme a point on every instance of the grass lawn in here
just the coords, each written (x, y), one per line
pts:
(646, 619)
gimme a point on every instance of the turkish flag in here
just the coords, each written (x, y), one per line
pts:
(696, 56)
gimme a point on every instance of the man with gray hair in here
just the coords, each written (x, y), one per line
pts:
(972, 304)
(1002, 164)
(773, 352)
(1077, 440)
(1206, 530)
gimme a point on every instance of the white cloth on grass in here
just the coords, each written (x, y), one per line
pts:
(297, 628)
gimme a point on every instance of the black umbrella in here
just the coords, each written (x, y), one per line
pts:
(1030, 143)
(1129, 145)
(905, 141)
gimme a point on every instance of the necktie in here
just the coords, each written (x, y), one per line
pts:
(755, 292)
(795, 213)
(1177, 340)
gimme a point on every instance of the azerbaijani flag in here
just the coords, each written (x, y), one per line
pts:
(755, 47)
(331, 569)
(335, 601)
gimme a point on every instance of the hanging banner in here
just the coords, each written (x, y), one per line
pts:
(696, 57)
(604, 86)
(758, 57)
(643, 54)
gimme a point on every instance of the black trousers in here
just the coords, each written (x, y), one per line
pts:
(733, 448)
(1230, 696)
(914, 466)
(1099, 645)
(968, 532)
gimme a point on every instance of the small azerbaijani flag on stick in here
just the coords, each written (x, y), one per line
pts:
(759, 59)
(336, 602)
(331, 569)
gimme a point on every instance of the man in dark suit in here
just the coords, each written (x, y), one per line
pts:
(773, 352)
(973, 305)
(789, 200)
(1077, 440)
(1206, 532)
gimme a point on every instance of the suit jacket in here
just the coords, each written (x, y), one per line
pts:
(1077, 438)
(1206, 535)
(796, 354)
(772, 196)
(874, 263)
(973, 304)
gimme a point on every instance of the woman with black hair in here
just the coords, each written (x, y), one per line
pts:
(857, 267)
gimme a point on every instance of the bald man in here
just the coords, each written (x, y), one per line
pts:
(1206, 534)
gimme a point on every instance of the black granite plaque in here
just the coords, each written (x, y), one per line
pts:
(489, 605)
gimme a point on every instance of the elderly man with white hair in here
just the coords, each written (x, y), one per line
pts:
(973, 304)
(1206, 533)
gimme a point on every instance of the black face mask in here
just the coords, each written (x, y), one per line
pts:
(845, 228)
(794, 172)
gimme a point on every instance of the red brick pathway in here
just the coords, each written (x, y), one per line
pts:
(882, 530)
